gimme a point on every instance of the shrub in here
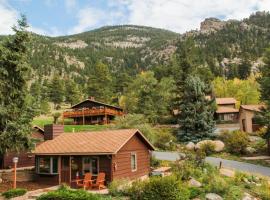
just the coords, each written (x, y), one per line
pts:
(154, 162)
(119, 187)
(168, 188)
(136, 190)
(195, 192)
(14, 193)
(234, 193)
(208, 148)
(235, 141)
(262, 191)
(65, 193)
(165, 140)
(217, 185)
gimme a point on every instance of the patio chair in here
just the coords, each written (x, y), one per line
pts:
(84, 182)
(99, 182)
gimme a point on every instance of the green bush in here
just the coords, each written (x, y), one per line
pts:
(165, 140)
(216, 185)
(262, 191)
(14, 193)
(208, 148)
(136, 190)
(65, 193)
(234, 193)
(195, 192)
(168, 188)
(119, 187)
(154, 162)
(235, 141)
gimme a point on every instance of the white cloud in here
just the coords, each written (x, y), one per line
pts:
(8, 18)
(184, 15)
(87, 18)
(53, 31)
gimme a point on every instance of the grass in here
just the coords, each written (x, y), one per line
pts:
(41, 121)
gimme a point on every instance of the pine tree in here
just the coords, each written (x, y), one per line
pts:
(16, 111)
(56, 91)
(73, 93)
(196, 112)
(264, 81)
(100, 83)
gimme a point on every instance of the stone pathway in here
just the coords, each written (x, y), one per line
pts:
(230, 164)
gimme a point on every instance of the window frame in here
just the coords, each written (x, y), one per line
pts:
(91, 167)
(133, 154)
(51, 166)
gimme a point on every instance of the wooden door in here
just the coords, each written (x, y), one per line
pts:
(1, 161)
(65, 169)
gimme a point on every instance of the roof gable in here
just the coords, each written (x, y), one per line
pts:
(223, 101)
(255, 108)
(87, 143)
(97, 103)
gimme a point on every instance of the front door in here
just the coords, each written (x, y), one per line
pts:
(65, 169)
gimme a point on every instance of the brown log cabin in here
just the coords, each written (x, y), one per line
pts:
(26, 158)
(117, 153)
(226, 110)
(91, 111)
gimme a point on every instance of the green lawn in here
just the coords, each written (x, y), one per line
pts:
(68, 128)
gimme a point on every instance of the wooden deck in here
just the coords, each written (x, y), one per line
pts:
(92, 112)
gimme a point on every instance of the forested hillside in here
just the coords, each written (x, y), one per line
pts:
(125, 64)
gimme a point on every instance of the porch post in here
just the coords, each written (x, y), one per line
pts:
(59, 169)
(70, 170)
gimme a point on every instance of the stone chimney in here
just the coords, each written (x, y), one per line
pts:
(51, 131)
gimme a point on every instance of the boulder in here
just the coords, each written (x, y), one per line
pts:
(194, 183)
(219, 145)
(250, 150)
(247, 196)
(254, 138)
(190, 146)
(213, 196)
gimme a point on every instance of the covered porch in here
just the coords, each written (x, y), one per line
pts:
(66, 169)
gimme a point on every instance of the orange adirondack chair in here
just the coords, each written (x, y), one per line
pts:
(99, 182)
(84, 182)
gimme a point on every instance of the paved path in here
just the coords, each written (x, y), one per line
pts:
(236, 165)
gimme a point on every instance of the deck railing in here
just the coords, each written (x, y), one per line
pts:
(92, 112)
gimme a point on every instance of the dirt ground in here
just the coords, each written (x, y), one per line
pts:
(26, 185)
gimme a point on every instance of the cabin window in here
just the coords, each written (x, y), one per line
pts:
(47, 165)
(91, 164)
(133, 162)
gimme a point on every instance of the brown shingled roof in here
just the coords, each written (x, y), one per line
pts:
(223, 101)
(256, 108)
(222, 109)
(89, 143)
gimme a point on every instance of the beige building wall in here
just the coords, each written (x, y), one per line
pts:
(245, 120)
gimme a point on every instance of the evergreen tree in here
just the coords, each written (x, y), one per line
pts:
(56, 91)
(244, 69)
(16, 111)
(264, 81)
(100, 83)
(73, 93)
(196, 112)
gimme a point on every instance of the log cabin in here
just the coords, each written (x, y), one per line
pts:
(117, 153)
(91, 111)
(26, 158)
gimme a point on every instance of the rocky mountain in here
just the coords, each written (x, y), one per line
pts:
(225, 48)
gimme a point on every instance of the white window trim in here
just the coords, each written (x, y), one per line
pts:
(136, 166)
(51, 167)
(90, 164)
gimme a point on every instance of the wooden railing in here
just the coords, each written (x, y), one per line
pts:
(92, 112)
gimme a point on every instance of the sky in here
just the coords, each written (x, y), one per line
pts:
(66, 17)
